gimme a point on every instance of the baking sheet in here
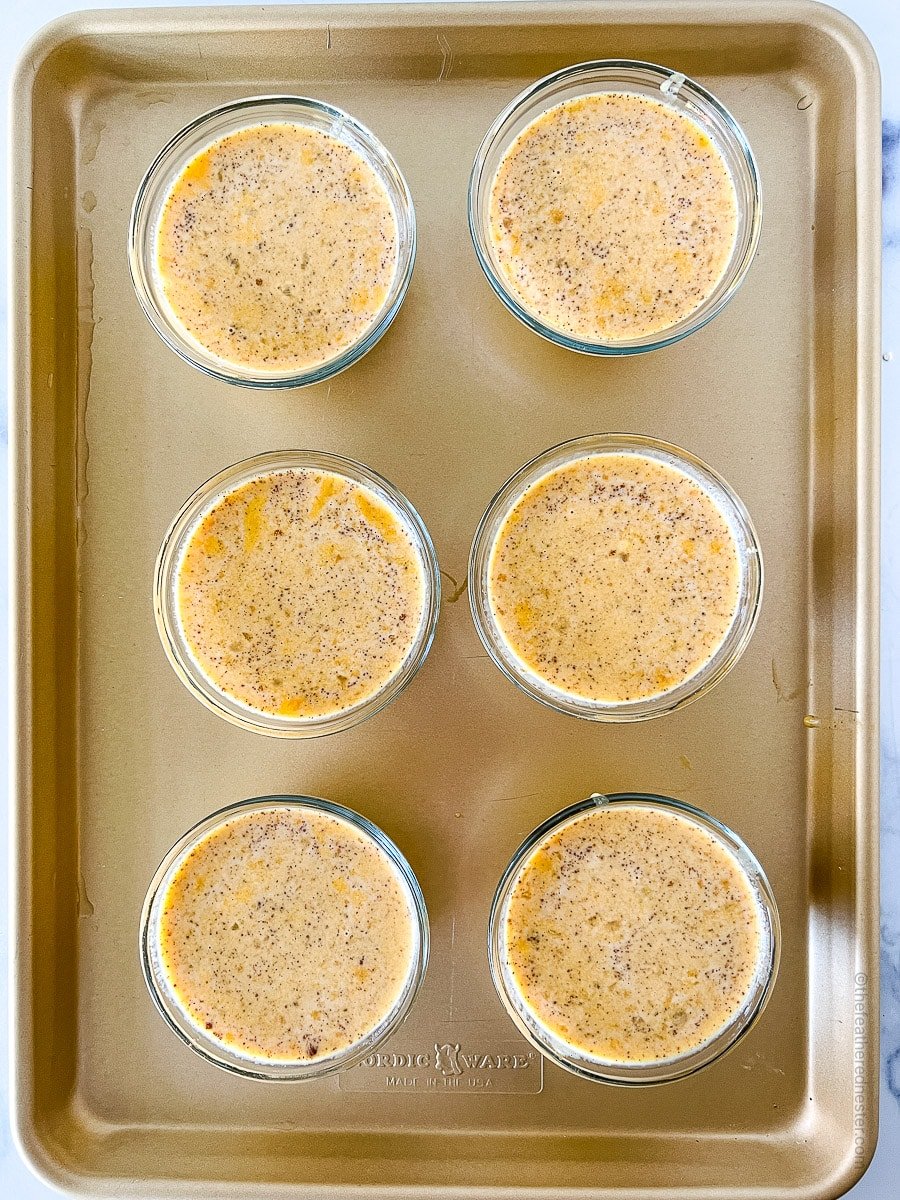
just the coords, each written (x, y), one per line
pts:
(114, 759)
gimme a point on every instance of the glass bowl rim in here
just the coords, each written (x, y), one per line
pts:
(657, 1071)
(706, 311)
(141, 271)
(289, 1071)
(168, 625)
(711, 672)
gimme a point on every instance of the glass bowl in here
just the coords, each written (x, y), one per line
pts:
(659, 1070)
(165, 596)
(620, 75)
(750, 586)
(215, 1051)
(191, 141)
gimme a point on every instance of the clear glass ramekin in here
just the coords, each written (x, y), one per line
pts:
(660, 1070)
(165, 593)
(646, 79)
(750, 588)
(215, 1051)
(191, 141)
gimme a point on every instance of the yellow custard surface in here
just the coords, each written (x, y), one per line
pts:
(300, 593)
(286, 935)
(633, 935)
(277, 247)
(612, 216)
(615, 577)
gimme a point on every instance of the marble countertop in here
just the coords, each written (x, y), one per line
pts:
(881, 21)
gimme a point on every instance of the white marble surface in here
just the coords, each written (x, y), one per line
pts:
(881, 21)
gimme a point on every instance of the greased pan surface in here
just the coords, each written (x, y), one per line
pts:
(114, 759)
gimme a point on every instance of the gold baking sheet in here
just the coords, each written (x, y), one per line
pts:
(114, 759)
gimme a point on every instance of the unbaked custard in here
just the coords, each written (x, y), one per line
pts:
(632, 935)
(277, 247)
(287, 935)
(612, 216)
(300, 593)
(615, 577)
